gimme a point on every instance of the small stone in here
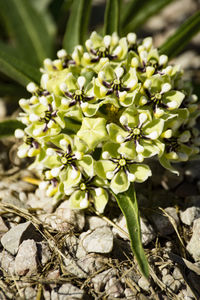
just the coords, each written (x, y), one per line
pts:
(55, 274)
(177, 274)
(99, 281)
(193, 245)
(130, 294)
(74, 218)
(144, 284)
(168, 280)
(165, 271)
(44, 252)
(39, 200)
(99, 240)
(175, 286)
(16, 235)
(26, 259)
(147, 231)
(114, 288)
(7, 262)
(189, 215)
(30, 293)
(162, 223)
(3, 227)
(95, 222)
(68, 292)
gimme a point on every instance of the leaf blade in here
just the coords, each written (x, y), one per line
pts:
(111, 17)
(77, 24)
(128, 204)
(181, 37)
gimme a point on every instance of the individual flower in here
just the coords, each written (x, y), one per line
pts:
(138, 134)
(30, 147)
(90, 190)
(119, 170)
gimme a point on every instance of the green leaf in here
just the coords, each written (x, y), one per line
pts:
(140, 16)
(28, 29)
(111, 18)
(128, 204)
(130, 9)
(17, 69)
(182, 36)
(8, 127)
(77, 24)
(13, 90)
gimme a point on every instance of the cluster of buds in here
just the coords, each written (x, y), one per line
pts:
(100, 112)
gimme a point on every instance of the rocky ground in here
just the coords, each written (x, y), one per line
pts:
(51, 252)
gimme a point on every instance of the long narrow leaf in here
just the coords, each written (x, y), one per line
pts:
(17, 69)
(28, 29)
(130, 9)
(111, 19)
(77, 24)
(148, 9)
(8, 127)
(182, 36)
(12, 90)
(128, 204)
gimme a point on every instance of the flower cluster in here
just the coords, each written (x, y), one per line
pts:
(100, 112)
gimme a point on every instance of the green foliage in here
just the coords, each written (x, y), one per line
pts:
(8, 127)
(77, 24)
(128, 204)
(182, 36)
(111, 18)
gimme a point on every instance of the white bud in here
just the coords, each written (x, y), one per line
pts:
(117, 50)
(19, 133)
(33, 100)
(163, 59)
(147, 84)
(139, 148)
(134, 62)
(131, 38)
(183, 156)
(63, 143)
(63, 87)
(44, 80)
(34, 117)
(153, 135)
(107, 40)
(23, 102)
(43, 185)
(143, 100)
(123, 120)
(103, 90)
(32, 152)
(47, 62)
(32, 87)
(50, 152)
(65, 101)
(68, 191)
(61, 53)
(86, 56)
(167, 134)
(101, 75)
(120, 139)
(84, 105)
(119, 72)
(172, 104)
(50, 191)
(172, 155)
(37, 132)
(88, 44)
(143, 55)
(142, 118)
(106, 155)
(139, 157)
(98, 191)
(132, 83)
(159, 112)
(122, 95)
(81, 81)
(43, 100)
(115, 38)
(194, 98)
(55, 171)
(149, 71)
(184, 137)
(78, 155)
(168, 70)
(84, 203)
(166, 87)
(131, 177)
(51, 124)
(147, 43)
(74, 174)
(110, 175)
(22, 152)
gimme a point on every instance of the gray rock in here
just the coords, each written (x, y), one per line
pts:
(148, 233)
(144, 284)
(130, 294)
(162, 223)
(189, 215)
(16, 235)
(74, 218)
(30, 293)
(95, 222)
(114, 288)
(67, 292)
(194, 243)
(3, 227)
(7, 262)
(26, 259)
(99, 240)
(168, 280)
(44, 252)
(99, 281)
